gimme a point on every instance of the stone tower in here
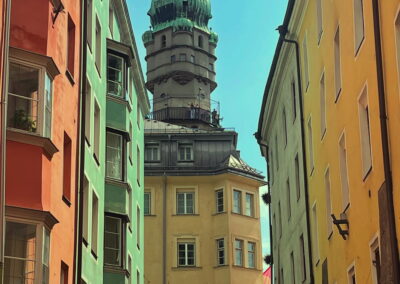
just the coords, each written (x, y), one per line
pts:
(181, 63)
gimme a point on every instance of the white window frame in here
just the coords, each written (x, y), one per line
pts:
(239, 204)
(219, 201)
(122, 142)
(154, 152)
(41, 229)
(185, 211)
(121, 245)
(249, 204)
(41, 108)
(149, 207)
(219, 250)
(344, 174)
(359, 24)
(351, 272)
(186, 257)
(186, 147)
(374, 245)
(251, 254)
(123, 76)
(365, 132)
(238, 250)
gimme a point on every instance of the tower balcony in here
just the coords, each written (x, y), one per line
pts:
(186, 110)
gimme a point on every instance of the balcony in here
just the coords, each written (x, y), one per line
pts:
(186, 109)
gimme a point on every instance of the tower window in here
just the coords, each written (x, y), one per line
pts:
(163, 41)
(182, 57)
(200, 41)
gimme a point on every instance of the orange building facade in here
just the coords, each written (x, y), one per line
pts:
(42, 134)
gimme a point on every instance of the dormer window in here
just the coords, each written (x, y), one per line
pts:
(29, 98)
(185, 152)
(200, 41)
(163, 41)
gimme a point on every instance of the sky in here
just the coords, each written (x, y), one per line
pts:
(247, 41)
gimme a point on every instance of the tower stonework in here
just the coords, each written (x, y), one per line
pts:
(181, 63)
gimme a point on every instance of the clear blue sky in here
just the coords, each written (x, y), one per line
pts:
(247, 41)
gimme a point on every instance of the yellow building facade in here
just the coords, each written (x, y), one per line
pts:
(202, 215)
(349, 181)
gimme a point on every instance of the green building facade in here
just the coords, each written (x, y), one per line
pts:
(115, 103)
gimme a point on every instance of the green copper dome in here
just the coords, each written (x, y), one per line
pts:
(180, 13)
(147, 37)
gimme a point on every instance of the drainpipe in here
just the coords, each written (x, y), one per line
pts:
(261, 144)
(165, 229)
(385, 147)
(283, 31)
(165, 215)
(3, 128)
(81, 153)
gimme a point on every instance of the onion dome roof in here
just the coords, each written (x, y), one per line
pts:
(167, 13)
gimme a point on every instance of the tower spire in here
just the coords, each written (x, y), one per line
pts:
(181, 63)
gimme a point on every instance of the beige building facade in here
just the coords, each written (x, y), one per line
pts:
(226, 245)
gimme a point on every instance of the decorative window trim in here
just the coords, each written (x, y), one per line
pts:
(46, 69)
(35, 58)
(33, 139)
(37, 216)
(151, 191)
(182, 239)
(40, 229)
(187, 189)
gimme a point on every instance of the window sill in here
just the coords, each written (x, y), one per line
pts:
(221, 266)
(246, 216)
(66, 201)
(186, 215)
(187, 268)
(188, 161)
(246, 268)
(116, 269)
(219, 213)
(85, 242)
(153, 162)
(70, 77)
(152, 215)
(33, 139)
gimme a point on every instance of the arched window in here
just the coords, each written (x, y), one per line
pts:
(200, 41)
(163, 41)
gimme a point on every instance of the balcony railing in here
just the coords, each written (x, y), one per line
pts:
(187, 114)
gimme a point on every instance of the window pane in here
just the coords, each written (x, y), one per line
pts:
(147, 203)
(237, 196)
(112, 241)
(251, 254)
(220, 201)
(115, 75)
(20, 252)
(23, 100)
(48, 106)
(114, 156)
(181, 203)
(249, 204)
